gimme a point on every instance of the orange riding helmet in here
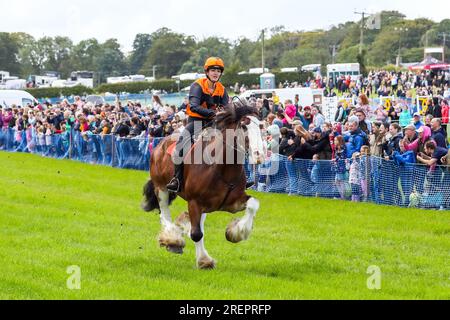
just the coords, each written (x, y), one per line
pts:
(214, 62)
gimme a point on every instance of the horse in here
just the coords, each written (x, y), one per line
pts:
(215, 183)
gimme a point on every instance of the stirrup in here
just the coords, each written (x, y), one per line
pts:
(174, 180)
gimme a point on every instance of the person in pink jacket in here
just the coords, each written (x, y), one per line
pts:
(445, 111)
(290, 111)
(6, 118)
(418, 145)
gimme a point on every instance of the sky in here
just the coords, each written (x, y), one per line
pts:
(231, 19)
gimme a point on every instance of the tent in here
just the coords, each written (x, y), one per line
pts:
(430, 63)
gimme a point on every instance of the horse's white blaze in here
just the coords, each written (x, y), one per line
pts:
(256, 143)
(243, 228)
(200, 249)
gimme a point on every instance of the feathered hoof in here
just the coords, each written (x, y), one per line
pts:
(206, 263)
(172, 241)
(175, 249)
(232, 234)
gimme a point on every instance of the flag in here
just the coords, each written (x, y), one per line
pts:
(374, 22)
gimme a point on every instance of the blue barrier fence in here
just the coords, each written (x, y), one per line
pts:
(374, 179)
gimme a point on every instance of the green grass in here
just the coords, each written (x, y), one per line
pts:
(55, 214)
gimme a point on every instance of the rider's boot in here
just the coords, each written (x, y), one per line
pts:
(175, 184)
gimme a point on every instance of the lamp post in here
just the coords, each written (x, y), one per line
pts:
(400, 30)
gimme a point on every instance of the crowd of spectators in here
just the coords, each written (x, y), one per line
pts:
(357, 132)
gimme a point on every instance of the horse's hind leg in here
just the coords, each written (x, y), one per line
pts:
(204, 261)
(239, 230)
(170, 236)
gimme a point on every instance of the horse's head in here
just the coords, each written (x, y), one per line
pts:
(240, 116)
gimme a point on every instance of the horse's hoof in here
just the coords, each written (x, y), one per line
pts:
(206, 264)
(173, 242)
(232, 233)
(175, 249)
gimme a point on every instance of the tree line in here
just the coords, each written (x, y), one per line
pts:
(173, 53)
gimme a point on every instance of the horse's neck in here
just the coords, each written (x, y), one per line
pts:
(230, 146)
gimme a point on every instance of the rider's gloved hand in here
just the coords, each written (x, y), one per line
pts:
(211, 114)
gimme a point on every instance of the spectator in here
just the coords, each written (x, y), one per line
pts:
(433, 155)
(438, 134)
(364, 105)
(364, 124)
(287, 144)
(307, 117)
(340, 165)
(341, 113)
(445, 112)
(416, 120)
(377, 139)
(321, 144)
(381, 114)
(405, 117)
(355, 177)
(318, 119)
(303, 149)
(355, 139)
(418, 145)
(315, 174)
(393, 142)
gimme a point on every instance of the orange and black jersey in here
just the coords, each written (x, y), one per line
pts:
(202, 103)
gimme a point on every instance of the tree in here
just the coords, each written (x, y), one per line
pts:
(209, 47)
(168, 52)
(279, 43)
(242, 51)
(84, 55)
(303, 56)
(110, 60)
(9, 50)
(141, 45)
(59, 56)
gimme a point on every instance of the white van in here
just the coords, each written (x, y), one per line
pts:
(307, 96)
(18, 98)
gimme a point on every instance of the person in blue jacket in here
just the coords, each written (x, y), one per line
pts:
(356, 139)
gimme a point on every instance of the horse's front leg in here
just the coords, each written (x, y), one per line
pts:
(171, 235)
(240, 229)
(204, 261)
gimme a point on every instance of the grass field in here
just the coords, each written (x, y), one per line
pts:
(55, 214)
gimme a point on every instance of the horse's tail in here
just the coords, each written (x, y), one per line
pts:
(151, 202)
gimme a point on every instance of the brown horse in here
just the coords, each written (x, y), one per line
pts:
(215, 183)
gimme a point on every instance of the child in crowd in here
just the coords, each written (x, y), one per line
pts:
(355, 177)
(339, 165)
(315, 174)
(365, 171)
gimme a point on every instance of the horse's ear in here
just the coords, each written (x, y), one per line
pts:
(246, 121)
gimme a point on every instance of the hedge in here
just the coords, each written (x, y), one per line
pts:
(39, 93)
(168, 85)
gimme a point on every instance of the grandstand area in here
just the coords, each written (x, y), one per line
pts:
(59, 213)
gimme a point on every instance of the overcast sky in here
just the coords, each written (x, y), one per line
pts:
(82, 19)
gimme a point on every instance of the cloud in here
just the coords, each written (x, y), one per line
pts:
(82, 19)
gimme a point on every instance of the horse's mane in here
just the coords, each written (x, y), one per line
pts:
(234, 113)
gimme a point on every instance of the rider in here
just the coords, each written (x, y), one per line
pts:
(205, 96)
